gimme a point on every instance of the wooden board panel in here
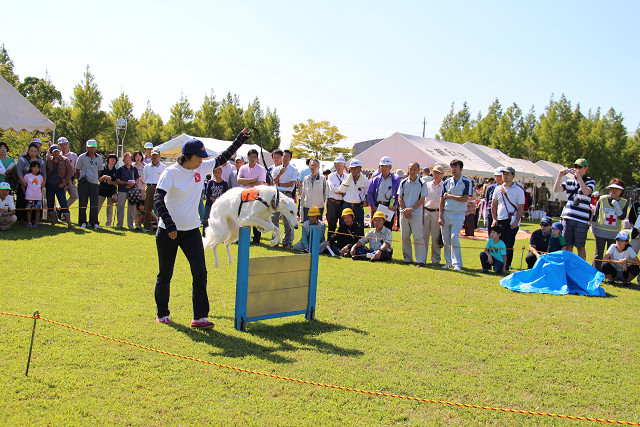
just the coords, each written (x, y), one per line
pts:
(278, 301)
(279, 264)
(272, 282)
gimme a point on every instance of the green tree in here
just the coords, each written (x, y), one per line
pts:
(487, 127)
(271, 129)
(557, 132)
(508, 136)
(456, 125)
(40, 92)
(62, 115)
(231, 116)
(315, 139)
(181, 120)
(87, 118)
(6, 68)
(152, 128)
(207, 121)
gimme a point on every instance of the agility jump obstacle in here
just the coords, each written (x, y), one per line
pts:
(278, 286)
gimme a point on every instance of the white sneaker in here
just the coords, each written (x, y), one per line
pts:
(96, 226)
(457, 268)
(84, 225)
(447, 266)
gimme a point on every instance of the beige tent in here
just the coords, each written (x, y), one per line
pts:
(404, 149)
(18, 114)
(496, 158)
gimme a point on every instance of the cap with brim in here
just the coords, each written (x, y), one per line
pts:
(355, 163)
(546, 221)
(509, 169)
(36, 140)
(155, 153)
(557, 226)
(196, 147)
(386, 161)
(54, 148)
(148, 145)
(5, 186)
(62, 139)
(438, 168)
(623, 235)
(619, 187)
(498, 171)
(92, 143)
(339, 159)
(581, 162)
(243, 158)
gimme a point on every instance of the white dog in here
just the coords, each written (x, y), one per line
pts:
(250, 207)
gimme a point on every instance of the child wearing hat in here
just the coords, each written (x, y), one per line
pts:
(7, 207)
(313, 221)
(625, 266)
(556, 241)
(379, 239)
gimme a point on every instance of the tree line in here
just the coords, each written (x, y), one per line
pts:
(561, 134)
(83, 117)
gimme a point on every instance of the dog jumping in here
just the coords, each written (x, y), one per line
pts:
(246, 207)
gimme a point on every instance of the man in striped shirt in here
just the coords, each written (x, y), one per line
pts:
(577, 211)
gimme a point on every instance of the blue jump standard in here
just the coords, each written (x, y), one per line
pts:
(242, 282)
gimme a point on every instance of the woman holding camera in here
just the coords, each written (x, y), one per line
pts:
(610, 213)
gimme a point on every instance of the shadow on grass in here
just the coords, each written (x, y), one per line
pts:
(293, 336)
(22, 232)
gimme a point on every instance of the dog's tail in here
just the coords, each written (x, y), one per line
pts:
(207, 240)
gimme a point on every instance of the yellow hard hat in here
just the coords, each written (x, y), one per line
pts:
(347, 211)
(314, 211)
(379, 214)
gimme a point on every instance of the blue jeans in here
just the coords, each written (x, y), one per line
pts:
(191, 244)
(497, 264)
(54, 191)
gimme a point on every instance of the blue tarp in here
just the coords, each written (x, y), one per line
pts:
(558, 273)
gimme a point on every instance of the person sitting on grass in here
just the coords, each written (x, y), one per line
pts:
(7, 207)
(626, 268)
(495, 253)
(556, 241)
(347, 234)
(313, 221)
(379, 239)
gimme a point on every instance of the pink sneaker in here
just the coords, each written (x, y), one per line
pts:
(201, 324)
(166, 320)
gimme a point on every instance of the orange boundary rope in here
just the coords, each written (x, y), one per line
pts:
(355, 390)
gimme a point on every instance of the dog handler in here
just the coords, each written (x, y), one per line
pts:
(176, 200)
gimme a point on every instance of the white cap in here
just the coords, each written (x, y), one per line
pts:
(339, 159)
(148, 145)
(62, 139)
(498, 171)
(36, 140)
(619, 187)
(386, 161)
(355, 163)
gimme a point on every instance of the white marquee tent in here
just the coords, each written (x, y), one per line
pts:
(404, 149)
(496, 158)
(17, 113)
(173, 147)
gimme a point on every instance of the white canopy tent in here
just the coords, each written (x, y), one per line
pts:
(17, 113)
(404, 149)
(173, 147)
(553, 169)
(496, 158)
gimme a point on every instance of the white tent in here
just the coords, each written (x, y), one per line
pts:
(173, 147)
(404, 149)
(496, 158)
(19, 114)
(553, 169)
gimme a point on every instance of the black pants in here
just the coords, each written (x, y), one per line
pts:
(88, 194)
(609, 270)
(531, 260)
(358, 211)
(509, 238)
(334, 213)
(191, 244)
(602, 245)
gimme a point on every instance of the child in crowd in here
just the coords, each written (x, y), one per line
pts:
(33, 193)
(303, 244)
(7, 207)
(216, 187)
(556, 241)
(495, 253)
(626, 268)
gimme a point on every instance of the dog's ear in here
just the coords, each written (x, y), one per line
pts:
(275, 200)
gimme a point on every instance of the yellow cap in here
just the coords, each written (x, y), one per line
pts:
(379, 214)
(314, 211)
(347, 211)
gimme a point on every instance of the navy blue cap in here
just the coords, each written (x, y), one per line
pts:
(195, 146)
(546, 220)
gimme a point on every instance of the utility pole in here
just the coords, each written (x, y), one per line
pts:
(424, 126)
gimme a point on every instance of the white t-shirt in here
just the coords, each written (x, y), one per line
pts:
(617, 255)
(184, 193)
(515, 194)
(7, 204)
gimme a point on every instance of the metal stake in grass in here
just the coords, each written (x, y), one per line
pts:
(33, 333)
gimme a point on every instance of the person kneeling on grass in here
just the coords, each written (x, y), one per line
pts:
(495, 253)
(379, 239)
(556, 241)
(303, 244)
(626, 268)
(347, 235)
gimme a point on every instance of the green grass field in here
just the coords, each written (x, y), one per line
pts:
(391, 328)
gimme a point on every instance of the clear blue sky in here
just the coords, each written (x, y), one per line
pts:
(370, 67)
